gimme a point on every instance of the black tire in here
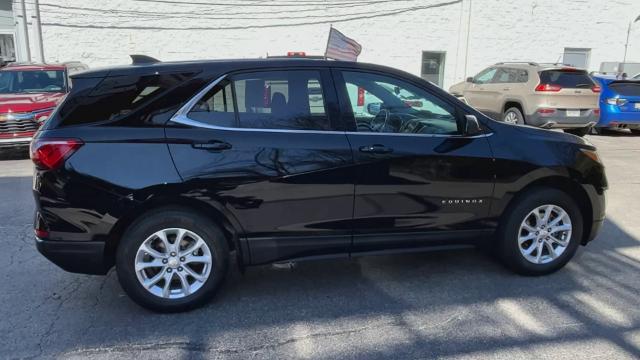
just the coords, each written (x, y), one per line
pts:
(635, 131)
(579, 131)
(173, 217)
(509, 228)
(517, 113)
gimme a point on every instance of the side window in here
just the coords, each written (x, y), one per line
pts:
(522, 76)
(287, 100)
(316, 99)
(507, 76)
(485, 76)
(363, 103)
(216, 107)
(388, 105)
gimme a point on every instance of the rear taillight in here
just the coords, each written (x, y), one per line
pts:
(49, 154)
(548, 87)
(595, 88)
(616, 101)
(42, 234)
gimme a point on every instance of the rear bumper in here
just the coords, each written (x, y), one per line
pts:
(613, 117)
(85, 257)
(559, 120)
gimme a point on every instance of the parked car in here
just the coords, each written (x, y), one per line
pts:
(167, 169)
(28, 95)
(619, 103)
(543, 95)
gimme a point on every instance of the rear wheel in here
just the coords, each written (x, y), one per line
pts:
(172, 260)
(578, 132)
(513, 116)
(635, 131)
(541, 232)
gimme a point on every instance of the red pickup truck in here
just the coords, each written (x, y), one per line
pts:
(28, 95)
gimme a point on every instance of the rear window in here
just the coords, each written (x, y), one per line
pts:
(626, 88)
(117, 97)
(566, 78)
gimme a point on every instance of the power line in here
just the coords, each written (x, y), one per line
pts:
(210, 17)
(201, 15)
(275, 4)
(323, 6)
(257, 26)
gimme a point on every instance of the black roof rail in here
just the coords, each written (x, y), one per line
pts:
(517, 62)
(556, 64)
(143, 59)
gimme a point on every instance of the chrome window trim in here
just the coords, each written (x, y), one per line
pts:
(421, 135)
(184, 110)
(181, 117)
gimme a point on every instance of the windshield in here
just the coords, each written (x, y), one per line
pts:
(32, 81)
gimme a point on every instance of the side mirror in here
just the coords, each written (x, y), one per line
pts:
(470, 79)
(471, 125)
(373, 108)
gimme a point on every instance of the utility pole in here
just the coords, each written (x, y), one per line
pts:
(626, 44)
(25, 28)
(39, 29)
(466, 51)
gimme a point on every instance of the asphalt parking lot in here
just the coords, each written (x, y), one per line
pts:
(454, 304)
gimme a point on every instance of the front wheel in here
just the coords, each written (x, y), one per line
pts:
(635, 131)
(172, 260)
(541, 232)
(578, 132)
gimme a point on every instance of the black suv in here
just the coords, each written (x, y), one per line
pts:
(167, 169)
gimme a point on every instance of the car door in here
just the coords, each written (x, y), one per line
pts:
(477, 93)
(266, 148)
(509, 85)
(419, 181)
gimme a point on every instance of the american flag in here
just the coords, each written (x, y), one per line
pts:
(340, 47)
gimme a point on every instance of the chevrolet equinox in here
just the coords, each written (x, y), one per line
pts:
(167, 169)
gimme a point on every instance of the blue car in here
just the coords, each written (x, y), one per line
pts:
(619, 103)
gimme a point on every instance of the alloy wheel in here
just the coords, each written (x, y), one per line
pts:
(173, 263)
(544, 234)
(511, 117)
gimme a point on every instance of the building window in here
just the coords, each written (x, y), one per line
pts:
(7, 48)
(578, 57)
(433, 66)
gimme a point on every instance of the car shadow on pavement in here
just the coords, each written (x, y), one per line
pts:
(616, 132)
(444, 304)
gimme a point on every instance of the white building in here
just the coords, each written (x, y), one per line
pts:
(442, 40)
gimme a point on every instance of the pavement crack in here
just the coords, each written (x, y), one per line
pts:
(203, 348)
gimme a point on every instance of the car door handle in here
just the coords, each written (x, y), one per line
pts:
(376, 149)
(212, 146)
(506, 89)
